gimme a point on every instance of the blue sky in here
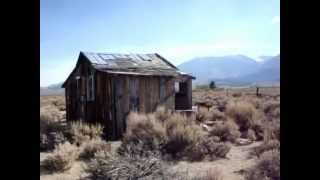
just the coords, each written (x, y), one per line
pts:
(177, 29)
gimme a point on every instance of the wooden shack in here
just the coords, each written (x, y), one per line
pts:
(104, 88)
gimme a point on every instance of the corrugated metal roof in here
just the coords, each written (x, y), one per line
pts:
(139, 64)
(123, 61)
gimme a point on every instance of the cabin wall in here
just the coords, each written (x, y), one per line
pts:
(77, 105)
(117, 95)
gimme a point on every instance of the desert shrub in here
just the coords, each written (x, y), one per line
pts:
(59, 103)
(89, 148)
(212, 115)
(49, 124)
(243, 113)
(143, 131)
(215, 115)
(221, 103)
(173, 139)
(162, 114)
(266, 146)
(49, 140)
(247, 117)
(50, 112)
(272, 108)
(80, 132)
(271, 130)
(128, 166)
(208, 148)
(51, 132)
(226, 131)
(181, 134)
(62, 158)
(237, 94)
(256, 102)
(268, 167)
(251, 135)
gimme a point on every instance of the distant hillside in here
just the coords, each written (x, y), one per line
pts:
(54, 89)
(55, 86)
(233, 70)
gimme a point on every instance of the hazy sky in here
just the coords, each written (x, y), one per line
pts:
(177, 29)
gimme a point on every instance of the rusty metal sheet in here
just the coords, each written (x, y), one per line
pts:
(135, 64)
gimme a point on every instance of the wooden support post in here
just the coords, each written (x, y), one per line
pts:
(257, 91)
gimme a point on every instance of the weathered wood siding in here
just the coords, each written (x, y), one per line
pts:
(116, 95)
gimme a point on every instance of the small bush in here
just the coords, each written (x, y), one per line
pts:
(50, 140)
(174, 138)
(247, 117)
(227, 131)
(251, 135)
(237, 94)
(125, 167)
(272, 109)
(88, 149)
(214, 115)
(181, 134)
(62, 158)
(268, 167)
(80, 132)
(208, 148)
(145, 131)
(271, 130)
(162, 114)
(51, 132)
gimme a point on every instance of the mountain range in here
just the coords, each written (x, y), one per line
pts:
(234, 70)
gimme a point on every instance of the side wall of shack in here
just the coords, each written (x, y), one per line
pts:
(117, 95)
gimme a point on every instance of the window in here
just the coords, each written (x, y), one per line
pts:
(177, 87)
(90, 88)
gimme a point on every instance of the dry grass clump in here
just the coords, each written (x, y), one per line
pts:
(243, 113)
(272, 130)
(174, 138)
(128, 166)
(247, 117)
(62, 158)
(59, 103)
(272, 109)
(145, 131)
(212, 115)
(181, 135)
(268, 167)
(51, 132)
(89, 148)
(208, 148)
(226, 131)
(80, 132)
(237, 94)
(162, 113)
(251, 135)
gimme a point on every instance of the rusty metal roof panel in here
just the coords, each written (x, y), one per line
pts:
(143, 64)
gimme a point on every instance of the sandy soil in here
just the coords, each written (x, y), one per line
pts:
(237, 160)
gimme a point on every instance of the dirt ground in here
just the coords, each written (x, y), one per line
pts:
(237, 159)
